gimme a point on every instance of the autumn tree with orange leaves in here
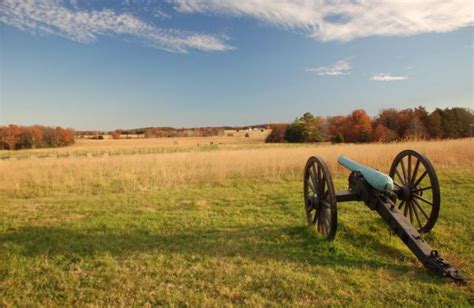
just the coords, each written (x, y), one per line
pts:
(14, 137)
(115, 134)
(356, 127)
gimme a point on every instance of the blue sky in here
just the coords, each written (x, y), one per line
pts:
(182, 63)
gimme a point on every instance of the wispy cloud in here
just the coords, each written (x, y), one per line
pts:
(387, 77)
(53, 17)
(341, 67)
(328, 20)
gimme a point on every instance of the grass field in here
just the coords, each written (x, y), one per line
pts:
(83, 147)
(217, 226)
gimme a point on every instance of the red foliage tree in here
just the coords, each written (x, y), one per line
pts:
(383, 134)
(16, 137)
(14, 134)
(390, 119)
(37, 135)
(361, 127)
(278, 133)
(337, 125)
(356, 127)
(115, 134)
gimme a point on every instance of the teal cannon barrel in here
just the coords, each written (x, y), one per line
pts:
(375, 178)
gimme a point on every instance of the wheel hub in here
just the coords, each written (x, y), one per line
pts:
(405, 193)
(312, 202)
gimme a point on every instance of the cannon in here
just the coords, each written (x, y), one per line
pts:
(407, 199)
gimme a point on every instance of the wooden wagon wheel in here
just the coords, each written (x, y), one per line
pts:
(320, 198)
(418, 195)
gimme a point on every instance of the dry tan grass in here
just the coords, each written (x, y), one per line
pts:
(231, 139)
(255, 136)
(160, 171)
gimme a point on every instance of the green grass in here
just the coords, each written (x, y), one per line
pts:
(240, 242)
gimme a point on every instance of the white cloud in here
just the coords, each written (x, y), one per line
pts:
(341, 67)
(52, 17)
(387, 77)
(328, 20)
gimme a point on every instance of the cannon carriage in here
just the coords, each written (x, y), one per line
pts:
(407, 199)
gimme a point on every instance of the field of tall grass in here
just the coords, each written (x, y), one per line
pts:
(164, 171)
(221, 226)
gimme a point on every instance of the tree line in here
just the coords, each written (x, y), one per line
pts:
(389, 125)
(159, 132)
(154, 132)
(14, 137)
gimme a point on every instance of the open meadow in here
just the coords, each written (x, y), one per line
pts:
(216, 221)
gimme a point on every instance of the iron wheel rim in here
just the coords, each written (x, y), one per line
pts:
(418, 190)
(320, 198)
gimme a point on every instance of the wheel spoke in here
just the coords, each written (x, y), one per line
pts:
(326, 204)
(416, 216)
(421, 189)
(310, 177)
(327, 223)
(405, 211)
(323, 226)
(409, 169)
(410, 211)
(401, 205)
(313, 176)
(323, 185)
(421, 209)
(404, 171)
(320, 176)
(326, 220)
(320, 222)
(398, 174)
(423, 199)
(415, 171)
(418, 181)
(326, 194)
(308, 184)
(315, 218)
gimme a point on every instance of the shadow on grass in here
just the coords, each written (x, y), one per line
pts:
(285, 244)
